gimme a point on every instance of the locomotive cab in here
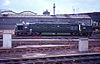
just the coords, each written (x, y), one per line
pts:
(19, 29)
(96, 28)
(85, 30)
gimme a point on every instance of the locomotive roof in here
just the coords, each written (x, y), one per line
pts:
(19, 24)
(45, 23)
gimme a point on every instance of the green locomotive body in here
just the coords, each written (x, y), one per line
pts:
(39, 29)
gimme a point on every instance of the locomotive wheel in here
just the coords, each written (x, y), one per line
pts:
(76, 34)
(80, 34)
(33, 34)
(17, 34)
(86, 34)
(89, 34)
(73, 34)
(37, 33)
(25, 34)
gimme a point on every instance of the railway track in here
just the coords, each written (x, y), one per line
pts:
(60, 51)
(18, 42)
(80, 58)
(52, 37)
(69, 39)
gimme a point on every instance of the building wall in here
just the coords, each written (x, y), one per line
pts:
(9, 23)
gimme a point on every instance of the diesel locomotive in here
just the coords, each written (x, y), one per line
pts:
(39, 29)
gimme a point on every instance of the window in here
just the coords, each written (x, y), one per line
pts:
(20, 27)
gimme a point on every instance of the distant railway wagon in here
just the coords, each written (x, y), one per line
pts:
(39, 29)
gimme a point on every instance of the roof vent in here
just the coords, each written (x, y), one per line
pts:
(46, 12)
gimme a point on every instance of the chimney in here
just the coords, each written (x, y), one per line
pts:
(54, 8)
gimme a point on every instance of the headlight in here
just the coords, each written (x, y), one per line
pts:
(84, 27)
(25, 27)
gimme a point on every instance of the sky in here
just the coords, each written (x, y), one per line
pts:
(62, 6)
